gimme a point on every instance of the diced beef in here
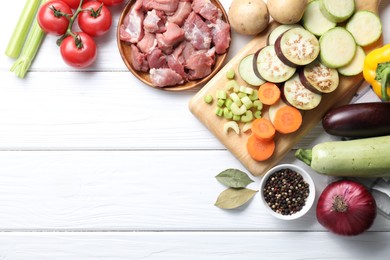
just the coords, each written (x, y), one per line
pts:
(220, 32)
(183, 10)
(206, 9)
(165, 77)
(200, 64)
(197, 32)
(132, 28)
(172, 35)
(148, 43)
(157, 59)
(176, 60)
(167, 6)
(155, 21)
(138, 59)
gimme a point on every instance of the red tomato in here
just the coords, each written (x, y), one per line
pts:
(51, 17)
(111, 2)
(96, 20)
(73, 3)
(80, 52)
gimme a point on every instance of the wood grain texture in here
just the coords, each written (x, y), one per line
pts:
(237, 144)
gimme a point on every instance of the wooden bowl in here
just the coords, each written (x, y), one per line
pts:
(125, 52)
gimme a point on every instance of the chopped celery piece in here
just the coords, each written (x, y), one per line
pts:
(246, 127)
(236, 118)
(221, 94)
(249, 90)
(220, 102)
(230, 74)
(30, 49)
(242, 89)
(241, 95)
(236, 99)
(228, 102)
(231, 125)
(254, 96)
(219, 111)
(258, 105)
(227, 113)
(238, 110)
(257, 114)
(22, 28)
(232, 85)
(247, 102)
(208, 99)
(247, 117)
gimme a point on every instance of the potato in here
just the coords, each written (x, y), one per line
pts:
(286, 11)
(248, 17)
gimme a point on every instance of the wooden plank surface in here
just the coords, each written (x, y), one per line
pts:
(237, 143)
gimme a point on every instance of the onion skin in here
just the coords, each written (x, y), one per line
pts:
(346, 208)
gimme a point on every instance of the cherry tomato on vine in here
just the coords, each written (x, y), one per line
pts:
(73, 3)
(111, 2)
(78, 52)
(52, 17)
(96, 19)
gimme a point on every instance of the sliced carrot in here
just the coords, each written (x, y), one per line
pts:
(263, 129)
(288, 119)
(260, 149)
(269, 93)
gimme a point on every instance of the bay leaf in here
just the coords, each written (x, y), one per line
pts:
(234, 178)
(233, 198)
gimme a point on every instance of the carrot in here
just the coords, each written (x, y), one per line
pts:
(263, 129)
(288, 119)
(260, 149)
(269, 93)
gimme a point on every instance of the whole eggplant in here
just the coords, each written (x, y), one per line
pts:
(358, 120)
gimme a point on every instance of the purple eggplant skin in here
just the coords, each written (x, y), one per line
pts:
(358, 120)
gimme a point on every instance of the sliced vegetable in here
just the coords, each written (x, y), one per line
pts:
(338, 47)
(355, 67)
(376, 71)
(365, 26)
(263, 129)
(259, 149)
(270, 67)
(336, 10)
(367, 157)
(231, 125)
(269, 93)
(29, 51)
(245, 69)
(274, 108)
(22, 28)
(314, 20)
(298, 96)
(358, 120)
(280, 30)
(208, 99)
(319, 78)
(230, 74)
(287, 119)
(297, 47)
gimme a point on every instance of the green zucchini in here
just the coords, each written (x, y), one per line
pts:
(367, 157)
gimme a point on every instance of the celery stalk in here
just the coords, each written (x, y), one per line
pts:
(30, 49)
(22, 28)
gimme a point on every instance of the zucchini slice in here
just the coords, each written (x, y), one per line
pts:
(319, 78)
(365, 27)
(280, 30)
(337, 10)
(246, 72)
(356, 65)
(314, 21)
(270, 67)
(297, 47)
(298, 96)
(338, 47)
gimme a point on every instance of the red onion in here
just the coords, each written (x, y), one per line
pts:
(346, 208)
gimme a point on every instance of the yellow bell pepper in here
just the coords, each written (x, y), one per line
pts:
(376, 71)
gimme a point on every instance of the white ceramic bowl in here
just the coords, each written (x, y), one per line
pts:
(306, 177)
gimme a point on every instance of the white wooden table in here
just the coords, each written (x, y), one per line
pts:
(96, 165)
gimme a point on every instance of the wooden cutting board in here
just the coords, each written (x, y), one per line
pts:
(237, 143)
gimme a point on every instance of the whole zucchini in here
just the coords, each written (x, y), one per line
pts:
(358, 120)
(367, 157)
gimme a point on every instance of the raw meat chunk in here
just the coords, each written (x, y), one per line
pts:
(197, 32)
(165, 77)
